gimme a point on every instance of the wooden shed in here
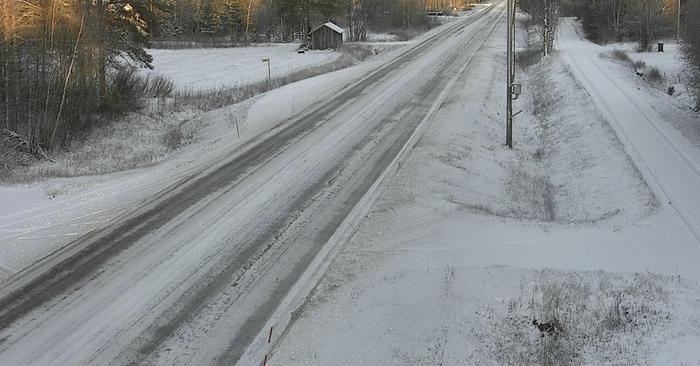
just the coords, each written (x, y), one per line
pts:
(326, 36)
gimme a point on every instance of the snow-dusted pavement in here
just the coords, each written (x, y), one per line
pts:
(192, 275)
(463, 227)
(669, 162)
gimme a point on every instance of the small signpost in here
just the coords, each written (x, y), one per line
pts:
(269, 71)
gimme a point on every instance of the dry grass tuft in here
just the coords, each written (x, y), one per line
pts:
(568, 318)
(214, 99)
(639, 64)
(654, 75)
(621, 55)
(528, 57)
(173, 138)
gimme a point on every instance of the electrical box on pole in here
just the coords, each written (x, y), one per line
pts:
(516, 90)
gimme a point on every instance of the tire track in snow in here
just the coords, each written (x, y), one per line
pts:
(88, 266)
(648, 170)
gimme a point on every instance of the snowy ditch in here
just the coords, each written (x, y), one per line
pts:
(570, 167)
(450, 265)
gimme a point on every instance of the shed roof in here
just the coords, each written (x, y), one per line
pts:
(330, 25)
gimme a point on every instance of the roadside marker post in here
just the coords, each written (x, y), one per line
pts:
(269, 339)
(269, 71)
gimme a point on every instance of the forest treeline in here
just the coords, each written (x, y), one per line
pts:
(63, 64)
(278, 20)
(691, 44)
(67, 65)
(644, 22)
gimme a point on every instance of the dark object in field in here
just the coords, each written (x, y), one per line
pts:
(671, 90)
(547, 327)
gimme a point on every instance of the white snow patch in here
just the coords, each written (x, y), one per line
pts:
(413, 285)
(214, 68)
(38, 219)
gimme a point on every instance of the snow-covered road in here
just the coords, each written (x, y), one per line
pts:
(191, 277)
(669, 162)
(463, 229)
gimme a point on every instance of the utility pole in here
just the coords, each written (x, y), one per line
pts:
(678, 36)
(307, 21)
(510, 74)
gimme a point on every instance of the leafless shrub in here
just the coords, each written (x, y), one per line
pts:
(182, 44)
(654, 75)
(528, 57)
(621, 55)
(639, 64)
(403, 35)
(545, 15)
(532, 196)
(560, 316)
(159, 86)
(353, 52)
(124, 92)
(128, 91)
(173, 138)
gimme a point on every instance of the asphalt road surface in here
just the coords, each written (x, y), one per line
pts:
(192, 277)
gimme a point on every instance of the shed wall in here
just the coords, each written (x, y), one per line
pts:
(325, 38)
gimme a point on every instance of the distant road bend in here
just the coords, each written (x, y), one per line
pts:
(191, 278)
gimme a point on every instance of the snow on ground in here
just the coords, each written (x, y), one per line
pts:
(40, 218)
(447, 268)
(670, 62)
(669, 161)
(382, 37)
(677, 109)
(401, 35)
(206, 69)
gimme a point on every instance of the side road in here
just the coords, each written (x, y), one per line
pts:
(668, 161)
(471, 242)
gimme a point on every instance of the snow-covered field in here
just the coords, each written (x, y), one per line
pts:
(214, 68)
(37, 219)
(591, 224)
(208, 234)
(40, 218)
(447, 269)
(669, 62)
(677, 109)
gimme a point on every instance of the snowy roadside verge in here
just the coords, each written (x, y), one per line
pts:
(164, 126)
(39, 219)
(49, 215)
(286, 313)
(666, 91)
(459, 234)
